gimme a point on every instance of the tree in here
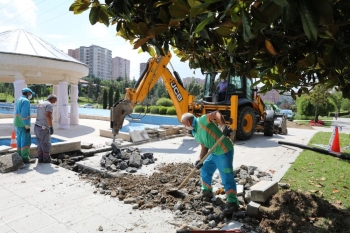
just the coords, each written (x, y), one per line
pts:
(319, 99)
(337, 98)
(116, 96)
(110, 96)
(346, 105)
(286, 43)
(104, 104)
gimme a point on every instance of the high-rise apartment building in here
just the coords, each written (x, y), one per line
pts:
(120, 68)
(142, 67)
(97, 58)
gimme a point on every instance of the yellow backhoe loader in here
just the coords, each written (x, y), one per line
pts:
(242, 108)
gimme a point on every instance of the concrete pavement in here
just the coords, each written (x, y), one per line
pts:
(46, 198)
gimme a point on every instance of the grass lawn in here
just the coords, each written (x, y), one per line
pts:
(323, 175)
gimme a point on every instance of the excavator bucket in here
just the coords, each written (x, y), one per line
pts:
(118, 114)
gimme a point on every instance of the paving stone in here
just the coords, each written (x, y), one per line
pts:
(263, 190)
(253, 208)
(5, 149)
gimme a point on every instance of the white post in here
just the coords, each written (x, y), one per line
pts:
(19, 84)
(63, 122)
(74, 109)
(55, 108)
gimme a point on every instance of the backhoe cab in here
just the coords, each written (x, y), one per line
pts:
(249, 111)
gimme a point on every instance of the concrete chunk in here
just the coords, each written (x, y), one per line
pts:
(263, 190)
(240, 190)
(253, 208)
(10, 162)
(4, 149)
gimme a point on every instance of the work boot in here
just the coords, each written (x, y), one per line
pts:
(207, 194)
(230, 208)
(46, 159)
(40, 159)
(26, 160)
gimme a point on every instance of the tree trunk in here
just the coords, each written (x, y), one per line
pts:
(316, 114)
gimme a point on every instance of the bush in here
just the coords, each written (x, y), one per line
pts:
(171, 111)
(164, 102)
(318, 123)
(139, 109)
(148, 109)
(154, 109)
(162, 110)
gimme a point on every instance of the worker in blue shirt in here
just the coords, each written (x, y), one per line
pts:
(22, 124)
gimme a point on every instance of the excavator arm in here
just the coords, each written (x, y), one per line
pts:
(156, 68)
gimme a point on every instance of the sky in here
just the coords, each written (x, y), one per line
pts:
(53, 22)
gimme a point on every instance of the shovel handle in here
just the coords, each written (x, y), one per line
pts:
(200, 162)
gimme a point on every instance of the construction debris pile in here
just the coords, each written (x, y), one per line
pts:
(129, 159)
(144, 192)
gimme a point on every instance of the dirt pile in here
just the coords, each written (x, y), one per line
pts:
(287, 211)
(292, 211)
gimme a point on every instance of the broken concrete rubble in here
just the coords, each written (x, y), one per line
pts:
(10, 162)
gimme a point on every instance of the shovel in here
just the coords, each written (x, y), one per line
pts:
(176, 192)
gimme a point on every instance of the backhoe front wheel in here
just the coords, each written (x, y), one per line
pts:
(246, 123)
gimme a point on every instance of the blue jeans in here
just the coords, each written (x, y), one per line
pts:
(224, 163)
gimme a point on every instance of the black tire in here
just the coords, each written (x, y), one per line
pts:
(246, 123)
(268, 128)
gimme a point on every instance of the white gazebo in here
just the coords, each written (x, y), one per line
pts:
(27, 59)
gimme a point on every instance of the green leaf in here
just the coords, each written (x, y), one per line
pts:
(223, 31)
(194, 11)
(234, 17)
(283, 3)
(178, 10)
(104, 16)
(272, 12)
(140, 42)
(232, 45)
(163, 16)
(309, 19)
(94, 14)
(247, 34)
(79, 6)
(204, 23)
(193, 3)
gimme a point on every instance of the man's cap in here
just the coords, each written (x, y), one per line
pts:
(52, 96)
(25, 90)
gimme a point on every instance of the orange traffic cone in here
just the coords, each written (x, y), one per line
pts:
(13, 140)
(336, 143)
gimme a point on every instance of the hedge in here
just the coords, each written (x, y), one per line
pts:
(162, 110)
(139, 109)
(164, 102)
(171, 111)
(154, 109)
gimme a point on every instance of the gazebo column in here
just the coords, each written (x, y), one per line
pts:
(74, 110)
(55, 108)
(19, 84)
(63, 122)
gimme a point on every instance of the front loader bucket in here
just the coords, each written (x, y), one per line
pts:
(118, 114)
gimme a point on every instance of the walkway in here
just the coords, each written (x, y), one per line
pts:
(45, 198)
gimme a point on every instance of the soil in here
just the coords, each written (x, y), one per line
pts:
(287, 211)
(292, 124)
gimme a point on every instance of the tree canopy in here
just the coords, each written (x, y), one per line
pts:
(286, 44)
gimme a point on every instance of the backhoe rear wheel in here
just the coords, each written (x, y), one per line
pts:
(246, 123)
(268, 128)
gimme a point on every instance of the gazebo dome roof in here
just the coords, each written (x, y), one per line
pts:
(26, 56)
(25, 43)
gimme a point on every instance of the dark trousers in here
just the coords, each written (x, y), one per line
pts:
(222, 96)
(44, 142)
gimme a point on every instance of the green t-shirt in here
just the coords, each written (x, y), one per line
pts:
(207, 133)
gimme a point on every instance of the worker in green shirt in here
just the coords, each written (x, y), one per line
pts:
(206, 131)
